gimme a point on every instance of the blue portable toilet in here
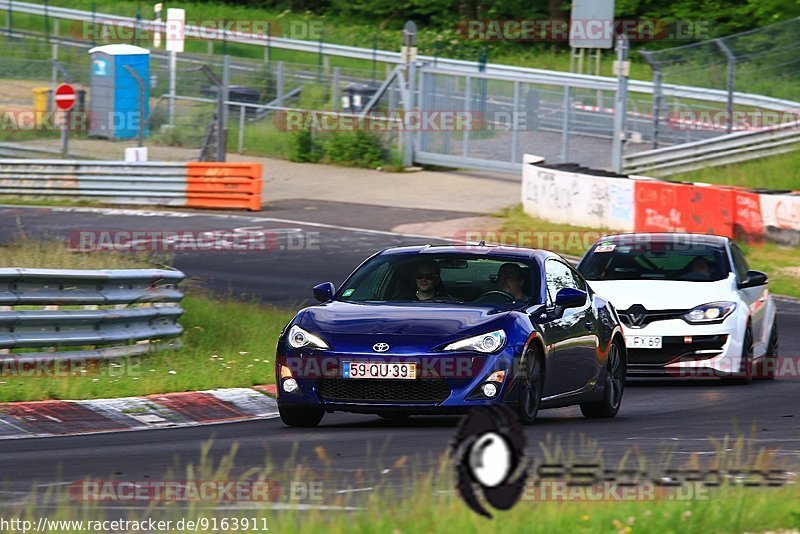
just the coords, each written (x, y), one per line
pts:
(114, 98)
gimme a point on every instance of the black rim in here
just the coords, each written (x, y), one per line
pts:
(614, 379)
(747, 352)
(531, 404)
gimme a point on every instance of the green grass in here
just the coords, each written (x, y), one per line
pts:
(774, 172)
(781, 263)
(427, 502)
(227, 343)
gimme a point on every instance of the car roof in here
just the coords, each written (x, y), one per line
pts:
(519, 253)
(704, 239)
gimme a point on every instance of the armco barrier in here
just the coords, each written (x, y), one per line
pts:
(196, 185)
(117, 312)
(578, 196)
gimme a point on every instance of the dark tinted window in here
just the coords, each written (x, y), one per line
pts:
(656, 260)
(739, 263)
(457, 278)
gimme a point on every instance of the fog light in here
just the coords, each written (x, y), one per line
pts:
(289, 385)
(490, 390)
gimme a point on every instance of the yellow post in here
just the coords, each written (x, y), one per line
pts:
(39, 104)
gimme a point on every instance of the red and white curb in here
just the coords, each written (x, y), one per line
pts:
(163, 410)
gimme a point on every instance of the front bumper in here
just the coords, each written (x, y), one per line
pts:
(688, 350)
(445, 383)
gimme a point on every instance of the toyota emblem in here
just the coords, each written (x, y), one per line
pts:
(380, 347)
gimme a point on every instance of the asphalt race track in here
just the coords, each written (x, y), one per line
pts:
(317, 242)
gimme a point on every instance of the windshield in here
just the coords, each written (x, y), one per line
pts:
(655, 261)
(441, 278)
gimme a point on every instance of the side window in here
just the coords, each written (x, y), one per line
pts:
(578, 279)
(557, 276)
(739, 263)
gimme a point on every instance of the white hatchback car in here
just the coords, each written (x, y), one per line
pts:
(689, 305)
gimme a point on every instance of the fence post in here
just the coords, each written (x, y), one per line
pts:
(241, 129)
(54, 68)
(9, 17)
(515, 124)
(94, 24)
(222, 131)
(468, 109)
(620, 104)
(266, 48)
(408, 148)
(567, 104)
(658, 94)
(46, 22)
(731, 79)
(532, 107)
(335, 88)
(279, 96)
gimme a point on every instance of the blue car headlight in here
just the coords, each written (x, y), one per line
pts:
(485, 343)
(298, 338)
(711, 312)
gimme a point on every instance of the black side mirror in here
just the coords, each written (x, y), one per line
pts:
(568, 297)
(324, 292)
(753, 279)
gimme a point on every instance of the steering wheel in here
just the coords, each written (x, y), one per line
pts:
(508, 296)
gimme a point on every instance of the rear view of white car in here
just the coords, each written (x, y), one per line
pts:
(689, 305)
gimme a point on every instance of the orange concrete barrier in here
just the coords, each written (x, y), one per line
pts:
(224, 185)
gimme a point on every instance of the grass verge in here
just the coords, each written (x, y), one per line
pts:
(227, 343)
(414, 499)
(781, 263)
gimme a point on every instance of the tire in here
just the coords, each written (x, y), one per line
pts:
(745, 374)
(530, 388)
(769, 362)
(300, 416)
(616, 367)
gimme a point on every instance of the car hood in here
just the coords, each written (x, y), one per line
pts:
(663, 294)
(411, 325)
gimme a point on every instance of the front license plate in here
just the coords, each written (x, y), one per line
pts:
(643, 342)
(403, 371)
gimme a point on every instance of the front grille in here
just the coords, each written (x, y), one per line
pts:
(637, 316)
(351, 389)
(675, 348)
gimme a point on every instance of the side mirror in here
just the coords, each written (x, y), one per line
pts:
(754, 279)
(568, 297)
(324, 292)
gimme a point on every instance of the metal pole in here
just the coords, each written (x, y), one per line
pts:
(515, 125)
(46, 21)
(241, 129)
(9, 17)
(222, 131)
(94, 25)
(620, 105)
(468, 109)
(54, 68)
(266, 48)
(565, 125)
(408, 149)
(335, 91)
(658, 95)
(279, 96)
(319, 57)
(731, 79)
(172, 83)
(65, 134)
(374, 54)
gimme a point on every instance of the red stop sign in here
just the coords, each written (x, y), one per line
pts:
(65, 97)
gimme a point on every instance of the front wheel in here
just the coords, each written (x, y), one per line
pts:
(300, 416)
(770, 360)
(530, 389)
(614, 386)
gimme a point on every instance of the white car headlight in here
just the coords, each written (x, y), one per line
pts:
(298, 337)
(711, 312)
(485, 343)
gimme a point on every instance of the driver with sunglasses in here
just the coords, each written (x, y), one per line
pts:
(428, 281)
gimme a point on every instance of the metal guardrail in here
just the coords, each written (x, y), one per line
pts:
(723, 150)
(140, 309)
(12, 150)
(200, 185)
(524, 74)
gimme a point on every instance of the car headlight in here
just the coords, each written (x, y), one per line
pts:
(298, 338)
(485, 343)
(711, 312)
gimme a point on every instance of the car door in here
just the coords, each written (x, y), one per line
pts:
(755, 298)
(573, 334)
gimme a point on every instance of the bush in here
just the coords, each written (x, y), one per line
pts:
(355, 149)
(303, 148)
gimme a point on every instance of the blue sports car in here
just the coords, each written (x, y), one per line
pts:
(440, 329)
